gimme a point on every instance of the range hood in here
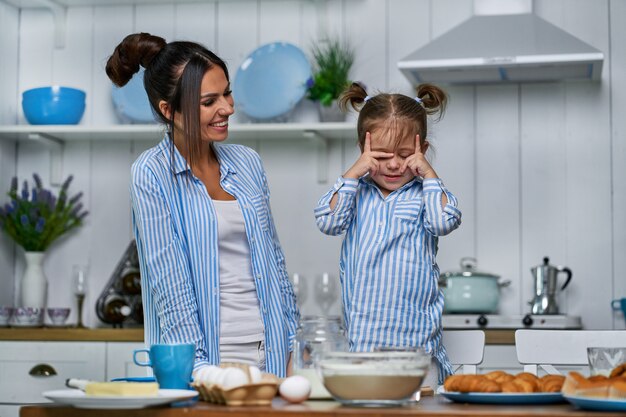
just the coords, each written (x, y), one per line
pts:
(503, 48)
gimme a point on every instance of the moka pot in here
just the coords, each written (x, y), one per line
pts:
(546, 287)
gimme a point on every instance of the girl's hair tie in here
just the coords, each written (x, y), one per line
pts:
(419, 100)
(365, 100)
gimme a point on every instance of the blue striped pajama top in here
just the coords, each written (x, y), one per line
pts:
(175, 227)
(388, 271)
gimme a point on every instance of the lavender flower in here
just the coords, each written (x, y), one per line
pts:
(74, 199)
(37, 181)
(40, 225)
(66, 184)
(25, 192)
(36, 222)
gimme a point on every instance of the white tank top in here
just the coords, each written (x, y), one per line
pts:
(240, 317)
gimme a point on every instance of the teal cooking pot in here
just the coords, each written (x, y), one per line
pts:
(469, 291)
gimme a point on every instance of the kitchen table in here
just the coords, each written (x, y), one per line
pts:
(428, 406)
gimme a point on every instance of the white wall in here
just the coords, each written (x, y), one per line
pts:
(539, 169)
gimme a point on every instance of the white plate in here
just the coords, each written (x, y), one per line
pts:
(79, 399)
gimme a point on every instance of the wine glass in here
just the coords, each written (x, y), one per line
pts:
(325, 291)
(299, 288)
(79, 274)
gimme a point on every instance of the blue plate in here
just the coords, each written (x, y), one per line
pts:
(135, 379)
(503, 397)
(597, 404)
(131, 101)
(271, 81)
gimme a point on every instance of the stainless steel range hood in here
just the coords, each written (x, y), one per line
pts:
(503, 48)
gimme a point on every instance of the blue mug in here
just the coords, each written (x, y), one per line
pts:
(172, 364)
(619, 303)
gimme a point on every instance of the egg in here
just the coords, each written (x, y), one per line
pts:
(295, 389)
(255, 374)
(234, 377)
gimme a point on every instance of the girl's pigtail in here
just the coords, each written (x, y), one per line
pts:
(434, 99)
(354, 95)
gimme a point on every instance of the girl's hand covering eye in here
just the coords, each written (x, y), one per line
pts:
(368, 161)
(418, 164)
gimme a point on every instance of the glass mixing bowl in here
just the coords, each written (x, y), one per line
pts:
(386, 378)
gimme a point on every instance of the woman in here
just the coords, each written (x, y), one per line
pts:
(212, 270)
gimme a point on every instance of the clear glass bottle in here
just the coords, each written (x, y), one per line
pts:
(315, 335)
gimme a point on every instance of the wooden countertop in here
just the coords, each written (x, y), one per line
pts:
(428, 406)
(52, 334)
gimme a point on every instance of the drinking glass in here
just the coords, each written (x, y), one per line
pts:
(325, 291)
(79, 277)
(299, 288)
(602, 360)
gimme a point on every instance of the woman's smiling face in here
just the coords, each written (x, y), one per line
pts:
(216, 105)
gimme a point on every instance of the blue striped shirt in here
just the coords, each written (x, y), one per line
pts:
(175, 228)
(389, 275)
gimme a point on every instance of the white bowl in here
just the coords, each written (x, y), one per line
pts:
(5, 315)
(28, 316)
(58, 315)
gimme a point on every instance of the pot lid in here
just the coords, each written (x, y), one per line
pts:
(468, 269)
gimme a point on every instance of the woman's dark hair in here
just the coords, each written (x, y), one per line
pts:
(408, 114)
(173, 73)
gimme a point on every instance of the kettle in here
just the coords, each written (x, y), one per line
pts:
(546, 287)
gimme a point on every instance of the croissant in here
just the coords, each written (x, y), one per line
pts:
(499, 376)
(551, 383)
(519, 385)
(471, 383)
(620, 370)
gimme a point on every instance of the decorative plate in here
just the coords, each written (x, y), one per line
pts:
(131, 101)
(271, 81)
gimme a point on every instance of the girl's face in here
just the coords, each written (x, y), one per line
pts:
(389, 176)
(216, 105)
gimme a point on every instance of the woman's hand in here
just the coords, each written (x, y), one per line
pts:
(367, 162)
(418, 164)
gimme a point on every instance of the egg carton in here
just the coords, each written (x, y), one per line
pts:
(259, 393)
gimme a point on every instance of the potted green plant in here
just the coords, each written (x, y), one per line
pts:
(333, 60)
(34, 219)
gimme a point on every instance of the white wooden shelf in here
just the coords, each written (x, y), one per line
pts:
(251, 131)
(55, 136)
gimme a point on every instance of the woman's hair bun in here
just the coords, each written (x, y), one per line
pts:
(135, 50)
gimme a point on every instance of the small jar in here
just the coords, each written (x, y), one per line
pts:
(317, 334)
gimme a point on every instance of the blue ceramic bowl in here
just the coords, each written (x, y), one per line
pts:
(54, 105)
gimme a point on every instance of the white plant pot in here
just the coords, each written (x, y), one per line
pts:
(34, 285)
(331, 113)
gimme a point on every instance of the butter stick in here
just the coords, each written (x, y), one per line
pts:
(122, 389)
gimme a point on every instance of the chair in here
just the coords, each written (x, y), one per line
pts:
(545, 348)
(465, 348)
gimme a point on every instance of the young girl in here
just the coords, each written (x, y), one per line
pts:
(392, 207)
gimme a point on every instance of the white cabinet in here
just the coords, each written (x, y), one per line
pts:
(27, 369)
